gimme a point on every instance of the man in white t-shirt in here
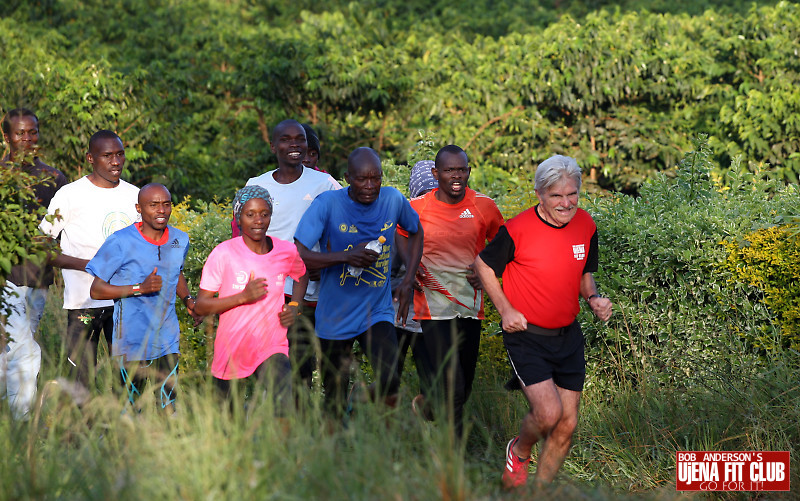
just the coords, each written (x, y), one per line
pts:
(89, 210)
(293, 187)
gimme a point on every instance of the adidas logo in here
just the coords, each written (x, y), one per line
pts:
(466, 214)
(308, 197)
(176, 244)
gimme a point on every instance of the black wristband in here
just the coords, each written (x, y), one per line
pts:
(187, 297)
(593, 295)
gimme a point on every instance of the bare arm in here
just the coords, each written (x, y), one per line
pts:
(103, 290)
(60, 260)
(403, 294)
(208, 304)
(183, 287)
(188, 301)
(290, 311)
(512, 320)
(473, 278)
(68, 262)
(601, 306)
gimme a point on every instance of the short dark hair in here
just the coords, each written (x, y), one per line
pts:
(451, 149)
(311, 138)
(281, 125)
(150, 186)
(357, 153)
(15, 113)
(102, 134)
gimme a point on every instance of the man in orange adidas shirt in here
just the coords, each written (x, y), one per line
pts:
(457, 222)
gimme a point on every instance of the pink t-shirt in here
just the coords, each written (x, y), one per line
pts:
(251, 333)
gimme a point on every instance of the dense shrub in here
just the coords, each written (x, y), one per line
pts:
(663, 265)
(20, 238)
(207, 224)
(768, 260)
(195, 86)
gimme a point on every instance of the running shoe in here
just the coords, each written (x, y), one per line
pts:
(516, 471)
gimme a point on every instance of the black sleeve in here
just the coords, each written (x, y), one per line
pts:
(499, 252)
(593, 256)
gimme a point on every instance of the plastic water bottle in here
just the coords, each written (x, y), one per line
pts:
(375, 245)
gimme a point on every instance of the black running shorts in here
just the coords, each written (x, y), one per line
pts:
(536, 358)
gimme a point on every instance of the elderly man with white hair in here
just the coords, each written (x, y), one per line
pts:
(546, 257)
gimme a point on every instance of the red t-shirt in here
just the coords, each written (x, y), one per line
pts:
(453, 235)
(542, 265)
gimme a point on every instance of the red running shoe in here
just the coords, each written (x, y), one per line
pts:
(516, 472)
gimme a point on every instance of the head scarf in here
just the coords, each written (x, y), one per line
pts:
(421, 178)
(248, 193)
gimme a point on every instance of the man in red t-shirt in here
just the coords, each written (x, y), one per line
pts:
(546, 256)
(457, 222)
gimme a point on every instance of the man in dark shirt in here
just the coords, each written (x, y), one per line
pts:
(25, 289)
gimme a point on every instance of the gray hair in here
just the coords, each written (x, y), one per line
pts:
(553, 169)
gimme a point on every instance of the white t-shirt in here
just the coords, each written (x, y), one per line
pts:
(89, 214)
(289, 203)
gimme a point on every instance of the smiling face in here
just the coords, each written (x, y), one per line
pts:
(289, 143)
(107, 156)
(254, 219)
(155, 206)
(364, 174)
(559, 202)
(452, 171)
(23, 135)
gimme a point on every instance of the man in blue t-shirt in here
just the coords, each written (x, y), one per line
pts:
(356, 306)
(140, 267)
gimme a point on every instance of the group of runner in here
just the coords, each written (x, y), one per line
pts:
(302, 244)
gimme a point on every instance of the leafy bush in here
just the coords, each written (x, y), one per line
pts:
(20, 238)
(664, 268)
(207, 224)
(191, 88)
(768, 260)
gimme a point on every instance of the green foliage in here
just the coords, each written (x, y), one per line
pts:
(768, 260)
(72, 98)
(20, 238)
(426, 148)
(207, 224)
(663, 267)
(194, 87)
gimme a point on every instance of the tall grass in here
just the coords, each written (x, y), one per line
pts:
(631, 425)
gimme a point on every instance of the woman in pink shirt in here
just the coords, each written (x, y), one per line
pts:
(243, 281)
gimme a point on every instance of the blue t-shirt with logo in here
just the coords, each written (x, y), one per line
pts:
(145, 327)
(349, 305)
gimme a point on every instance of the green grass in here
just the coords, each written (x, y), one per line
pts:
(630, 427)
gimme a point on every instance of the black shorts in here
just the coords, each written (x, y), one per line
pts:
(536, 358)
